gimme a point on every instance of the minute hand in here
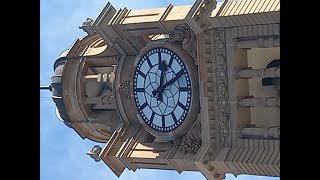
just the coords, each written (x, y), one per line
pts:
(160, 88)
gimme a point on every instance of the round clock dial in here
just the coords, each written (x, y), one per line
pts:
(162, 89)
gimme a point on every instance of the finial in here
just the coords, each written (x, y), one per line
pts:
(94, 153)
(46, 87)
(87, 26)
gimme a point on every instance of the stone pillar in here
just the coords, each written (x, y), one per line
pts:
(258, 43)
(247, 44)
(260, 102)
(262, 73)
(106, 77)
(263, 132)
(91, 77)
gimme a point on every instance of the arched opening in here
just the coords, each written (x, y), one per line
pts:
(271, 81)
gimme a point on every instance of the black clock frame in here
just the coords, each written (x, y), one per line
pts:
(186, 107)
(193, 109)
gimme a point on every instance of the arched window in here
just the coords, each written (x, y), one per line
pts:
(271, 81)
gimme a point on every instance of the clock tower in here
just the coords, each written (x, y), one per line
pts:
(184, 88)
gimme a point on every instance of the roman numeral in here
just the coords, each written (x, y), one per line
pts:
(152, 116)
(163, 121)
(184, 89)
(170, 61)
(140, 89)
(142, 74)
(174, 118)
(143, 105)
(159, 56)
(148, 60)
(182, 106)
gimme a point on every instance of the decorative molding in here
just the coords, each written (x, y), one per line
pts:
(186, 38)
(199, 14)
(210, 83)
(191, 141)
(124, 89)
(222, 85)
(201, 8)
(208, 111)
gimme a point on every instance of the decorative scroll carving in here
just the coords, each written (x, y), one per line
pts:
(124, 89)
(222, 86)
(186, 37)
(94, 153)
(191, 141)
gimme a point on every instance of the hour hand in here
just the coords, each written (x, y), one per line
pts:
(163, 68)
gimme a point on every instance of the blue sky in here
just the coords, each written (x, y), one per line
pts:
(62, 151)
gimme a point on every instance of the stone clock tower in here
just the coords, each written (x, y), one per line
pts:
(186, 88)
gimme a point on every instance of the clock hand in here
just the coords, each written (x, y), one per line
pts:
(160, 88)
(163, 68)
(178, 75)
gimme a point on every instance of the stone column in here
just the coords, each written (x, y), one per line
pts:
(262, 73)
(263, 132)
(106, 77)
(258, 43)
(260, 102)
(91, 77)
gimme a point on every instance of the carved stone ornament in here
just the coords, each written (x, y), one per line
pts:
(88, 22)
(191, 141)
(222, 88)
(87, 26)
(186, 37)
(124, 89)
(94, 153)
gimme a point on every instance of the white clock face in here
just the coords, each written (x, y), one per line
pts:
(162, 89)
